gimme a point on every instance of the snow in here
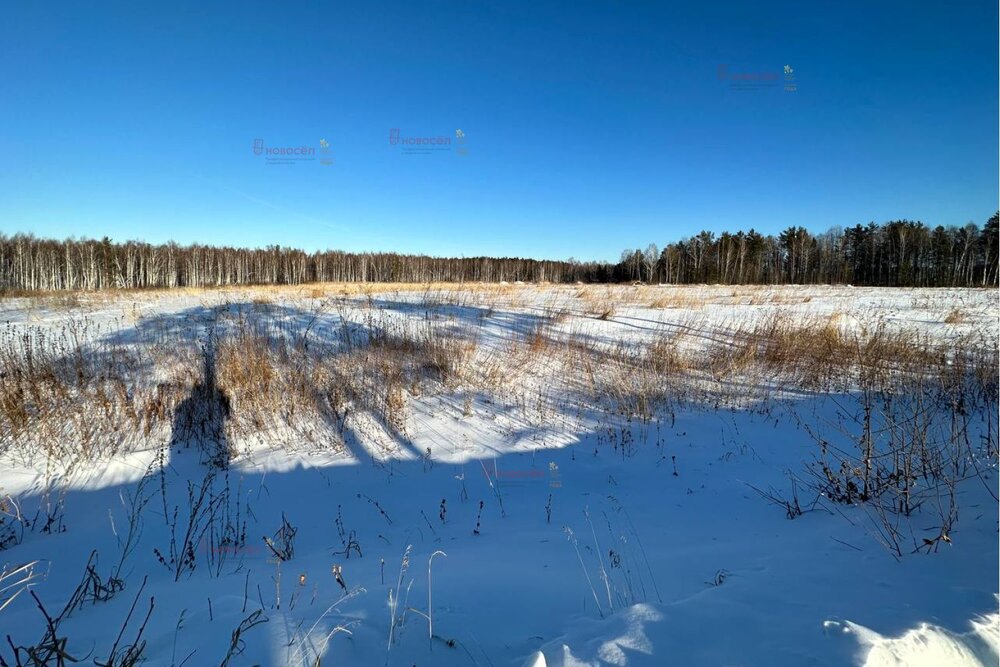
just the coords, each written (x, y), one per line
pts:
(929, 645)
(700, 569)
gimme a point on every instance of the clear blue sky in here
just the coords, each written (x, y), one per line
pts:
(590, 126)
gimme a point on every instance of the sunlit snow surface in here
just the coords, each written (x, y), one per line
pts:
(706, 573)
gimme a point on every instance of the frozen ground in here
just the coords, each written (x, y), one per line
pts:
(566, 525)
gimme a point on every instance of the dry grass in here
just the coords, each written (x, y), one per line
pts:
(955, 316)
(352, 357)
(309, 385)
(67, 395)
(668, 298)
(601, 302)
(640, 381)
(89, 391)
(825, 353)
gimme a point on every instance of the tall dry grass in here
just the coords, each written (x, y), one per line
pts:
(306, 366)
(81, 389)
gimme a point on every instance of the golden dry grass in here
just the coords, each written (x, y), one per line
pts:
(955, 316)
(285, 382)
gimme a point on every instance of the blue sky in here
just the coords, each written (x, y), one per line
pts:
(589, 126)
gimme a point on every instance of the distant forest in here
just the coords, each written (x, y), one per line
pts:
(898, 253)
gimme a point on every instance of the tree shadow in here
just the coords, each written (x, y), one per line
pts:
(200, 418)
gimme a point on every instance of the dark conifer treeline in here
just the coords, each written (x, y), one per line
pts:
(899, 253)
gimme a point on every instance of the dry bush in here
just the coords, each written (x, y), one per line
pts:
(903, 446)
(598, 302)
(63, 300)
(750, 296)
(257, 372)
(80, 391)
(497, 368)
(282, 383)
(537, 341)
(633, 388)
(638, 381)
(955, 316)
(660, 303)
(822, 353)
(679, 298)
(393, 359)
(262, 301)
(664, 355)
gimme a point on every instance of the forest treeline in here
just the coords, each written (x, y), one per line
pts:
(900, 253)
(897, 253)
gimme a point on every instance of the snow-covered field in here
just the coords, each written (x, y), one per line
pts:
(471, 475)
